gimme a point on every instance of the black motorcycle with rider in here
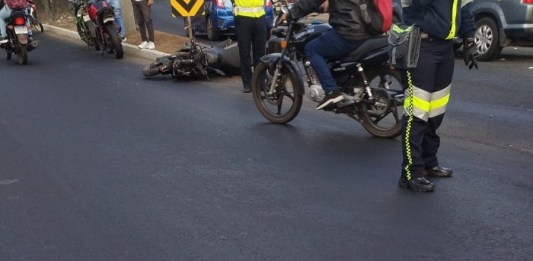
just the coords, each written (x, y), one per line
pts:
(366, 88)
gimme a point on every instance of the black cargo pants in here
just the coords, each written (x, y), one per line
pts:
(251, 36)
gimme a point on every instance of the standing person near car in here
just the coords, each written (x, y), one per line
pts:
(428, 85)
(251, 32)
(117, 7)
(347, 34)
(142, 12)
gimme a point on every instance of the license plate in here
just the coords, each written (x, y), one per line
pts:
(86, 18)
(21, 30)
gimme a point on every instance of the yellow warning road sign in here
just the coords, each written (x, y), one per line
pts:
(187, 7)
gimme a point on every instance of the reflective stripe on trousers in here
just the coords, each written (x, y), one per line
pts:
(426, 97)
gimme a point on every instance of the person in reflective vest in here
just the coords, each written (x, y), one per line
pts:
(428, 85)
(251, 32)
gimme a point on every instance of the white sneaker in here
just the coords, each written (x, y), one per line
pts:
(150, 45)
(143, 45)
(123, 39)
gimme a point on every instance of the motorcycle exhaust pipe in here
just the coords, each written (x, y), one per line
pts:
(32, 45)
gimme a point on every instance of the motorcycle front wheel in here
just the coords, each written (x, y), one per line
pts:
(36, 24)
(382, 116)
(115, 40)
(284, 103)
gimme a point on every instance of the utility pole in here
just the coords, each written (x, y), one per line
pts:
(127, 15)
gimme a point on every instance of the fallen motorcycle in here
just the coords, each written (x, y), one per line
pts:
(195, 60)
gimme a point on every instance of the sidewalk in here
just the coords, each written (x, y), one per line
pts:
(133, 50)
(129, 49)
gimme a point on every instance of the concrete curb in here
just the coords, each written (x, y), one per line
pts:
(129, 49)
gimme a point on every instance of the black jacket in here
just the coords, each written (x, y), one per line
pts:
(344, 16)
(434, 17)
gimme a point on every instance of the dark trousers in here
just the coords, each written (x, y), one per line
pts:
(143, 17)
(251, 36)
(426, 96)
(328, 46)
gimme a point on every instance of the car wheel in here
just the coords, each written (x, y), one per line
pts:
(212, 33)
(487, 39)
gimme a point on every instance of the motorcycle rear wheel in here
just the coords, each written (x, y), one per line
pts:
(115, 40)
(22, 55)
(285, 103)
(383, 118)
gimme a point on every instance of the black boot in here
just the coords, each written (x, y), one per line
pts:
(419, 184)
(438, 171)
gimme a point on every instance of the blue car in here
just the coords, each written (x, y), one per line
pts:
(218, 18)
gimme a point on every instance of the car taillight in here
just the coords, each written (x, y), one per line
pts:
(527, 1)
(220, 3)
(19, 20)
(268, 3)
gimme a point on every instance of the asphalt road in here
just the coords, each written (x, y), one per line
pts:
(98, 163)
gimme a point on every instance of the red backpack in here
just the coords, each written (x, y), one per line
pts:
(16, 4)
(377, 15)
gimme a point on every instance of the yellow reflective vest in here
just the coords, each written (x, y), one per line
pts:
(249, 8)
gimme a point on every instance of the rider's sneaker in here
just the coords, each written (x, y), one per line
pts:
(3, 39)
(150, 46)
(330, 99)
(143, 45)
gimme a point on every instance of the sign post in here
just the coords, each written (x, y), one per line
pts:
(187, 8)
(127, 16)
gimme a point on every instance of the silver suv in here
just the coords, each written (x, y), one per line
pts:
(501, 23)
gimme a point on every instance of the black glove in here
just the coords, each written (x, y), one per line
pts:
(470, 53)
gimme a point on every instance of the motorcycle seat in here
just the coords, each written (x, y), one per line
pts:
(368, 45)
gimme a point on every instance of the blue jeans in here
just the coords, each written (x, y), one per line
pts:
(5, 12)
(118, 16)
(329, 46)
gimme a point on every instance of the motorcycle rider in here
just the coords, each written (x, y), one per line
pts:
(347, 34)
(6, 7)
(428, 85)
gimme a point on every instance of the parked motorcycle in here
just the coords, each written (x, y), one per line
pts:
(17, 34)
(32, 17)
(195, 60)
(106, 30)
(373, 91)
(85, 27)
